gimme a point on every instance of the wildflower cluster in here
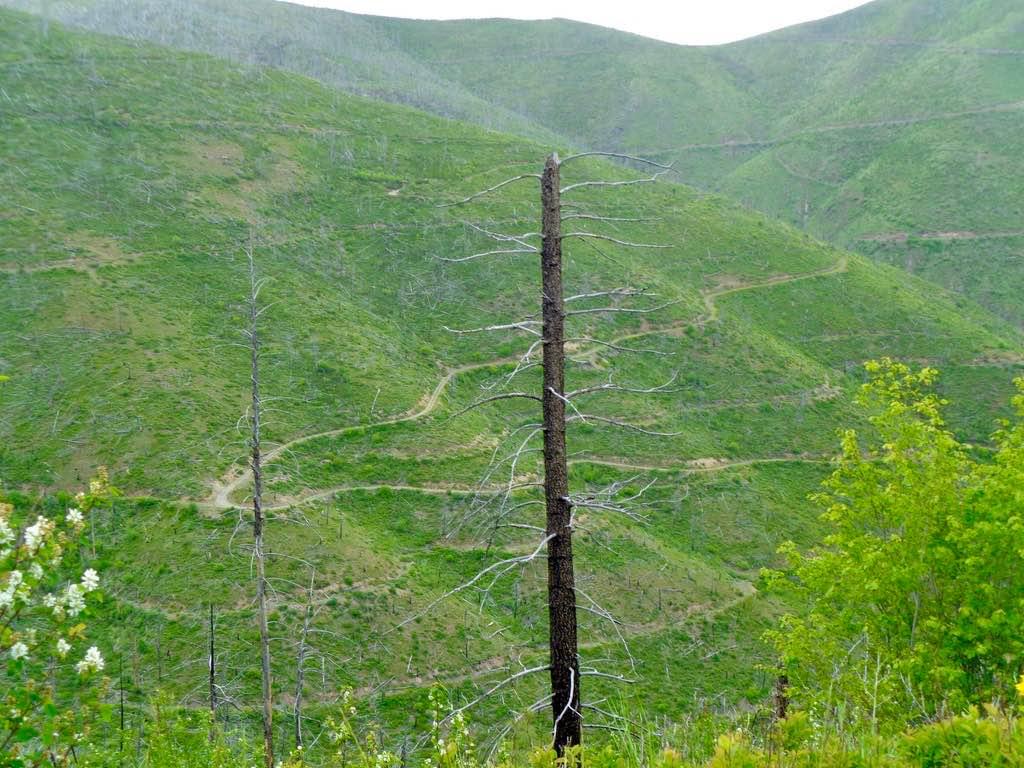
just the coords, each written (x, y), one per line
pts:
(40, 631)
(349, 748)
(453, 747)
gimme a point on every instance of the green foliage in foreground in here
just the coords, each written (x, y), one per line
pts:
(917, 594)
(913, 615)
(989, 739)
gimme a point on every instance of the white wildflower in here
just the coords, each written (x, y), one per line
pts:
(75, 518)
(63, 646)
(36, 570)
(36, 533)
(90, 580)
(74, 600)
(19, 650)
(93, 662)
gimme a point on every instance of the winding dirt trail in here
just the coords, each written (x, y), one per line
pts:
(893, 122)
(237, 477)
(902, 237)
(689, 467)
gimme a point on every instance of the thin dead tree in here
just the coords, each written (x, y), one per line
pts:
(300, 664)
(259, 552)
(559, 409)
(213, 679)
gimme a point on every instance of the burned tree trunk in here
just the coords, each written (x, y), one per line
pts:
(565, 667)
(257, 516)
(213, 680)
(549, 336)
(780, 697)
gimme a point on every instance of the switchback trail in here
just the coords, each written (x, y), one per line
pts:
(893, 122)
(237, 477)
(689, 467)
(902, 237)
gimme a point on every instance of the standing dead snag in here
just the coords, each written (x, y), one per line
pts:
(300, 665)
(563, 646)
(213, 680)
(548, 336)
(259, 555)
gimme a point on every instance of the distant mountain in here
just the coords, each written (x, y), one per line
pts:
(894, 129)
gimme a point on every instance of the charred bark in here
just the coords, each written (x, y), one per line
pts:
(565, 667)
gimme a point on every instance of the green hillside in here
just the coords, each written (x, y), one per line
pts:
(893, 129)
(136, 176)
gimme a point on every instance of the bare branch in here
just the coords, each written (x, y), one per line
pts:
(609, 387)
(484, 401)
(520, 326)
(503, 238)
(497, 252)
(611, 219)
(568, 702)
(628, 183)
(612, 292)
(591, 672)
(619, 347)
(510, 679)
(630, 310)
(568, 402)
(624, 425)
(618, 155)
(487, 191)
(523, 363)
(509, 562)
(614, 240)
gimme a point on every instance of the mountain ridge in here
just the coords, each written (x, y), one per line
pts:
(896, 116)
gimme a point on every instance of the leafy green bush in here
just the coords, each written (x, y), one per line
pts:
(914, 600)
(42, 637)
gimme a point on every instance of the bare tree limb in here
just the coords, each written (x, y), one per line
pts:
(628, 310)
(614, 240)
(495, 188)
(496, 252)
(618, 155)
(484, 401)
(520, 326)
(626, 425)
(631, 182)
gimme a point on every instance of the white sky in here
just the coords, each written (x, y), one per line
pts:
(693, 22)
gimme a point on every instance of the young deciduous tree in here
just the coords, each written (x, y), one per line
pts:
(42, 635)
(915, 599)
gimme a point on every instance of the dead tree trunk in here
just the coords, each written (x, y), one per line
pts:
(781, 697)
(565, 666)
(549, 336)
(257, 516)
(213, 680)
(300, 667)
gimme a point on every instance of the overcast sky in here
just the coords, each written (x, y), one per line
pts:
(693, 22)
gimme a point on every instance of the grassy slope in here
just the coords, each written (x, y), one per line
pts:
(136, 177)
(898, 118)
